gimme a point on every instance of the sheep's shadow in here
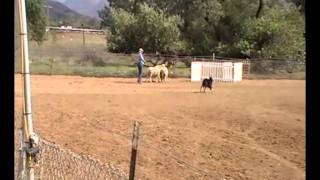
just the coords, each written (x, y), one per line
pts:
(131, 82)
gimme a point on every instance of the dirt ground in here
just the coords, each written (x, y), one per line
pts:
(254, 129)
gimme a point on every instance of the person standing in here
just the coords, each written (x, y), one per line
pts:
(140, 65)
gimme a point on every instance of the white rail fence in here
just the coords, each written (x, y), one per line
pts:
(219, 71)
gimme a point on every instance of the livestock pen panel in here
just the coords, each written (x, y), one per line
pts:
(219, 71)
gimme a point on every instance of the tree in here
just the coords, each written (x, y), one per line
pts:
(106, 17)
(36, 20)
(234, 28)
(201, 25)
(279, 33)
(160, 32)
(150, 28)
(123, 28)
(259, 8)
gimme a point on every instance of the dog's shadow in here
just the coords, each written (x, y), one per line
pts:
(208, 92)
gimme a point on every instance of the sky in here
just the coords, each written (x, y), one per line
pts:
(62, 1)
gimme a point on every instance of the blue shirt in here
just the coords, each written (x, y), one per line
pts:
(141, 59)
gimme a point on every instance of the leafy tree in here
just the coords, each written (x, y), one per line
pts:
(150, 29)
(106, 17)
(36, 20)
(200, 23)
(279, 33)
(122, 37)
(234, 28)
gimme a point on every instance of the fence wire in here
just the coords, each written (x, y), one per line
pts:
(55, 162)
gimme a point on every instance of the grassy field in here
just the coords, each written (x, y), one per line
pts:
(46, 67)
(67, 46)
(66, 54)
(295, 75)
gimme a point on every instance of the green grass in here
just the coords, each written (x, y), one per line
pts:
(43, 67)
(107, 71)
(123, 70)
(180, 72)
(67, 46)
(72, 39)
(71, 58)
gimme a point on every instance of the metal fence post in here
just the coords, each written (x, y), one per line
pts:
(27, 112)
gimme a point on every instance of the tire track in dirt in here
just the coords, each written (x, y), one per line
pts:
(250, 143)
(297, 170)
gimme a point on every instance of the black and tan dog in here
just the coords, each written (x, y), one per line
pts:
(207, 83)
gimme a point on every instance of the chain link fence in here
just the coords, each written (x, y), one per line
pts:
(54, 162)
(276, 66)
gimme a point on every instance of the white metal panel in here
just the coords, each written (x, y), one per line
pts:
(227, 71)
(219, 71)
(237, 71)
(196, 71)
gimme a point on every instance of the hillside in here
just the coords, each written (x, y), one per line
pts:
(60, 14)
(86, 7)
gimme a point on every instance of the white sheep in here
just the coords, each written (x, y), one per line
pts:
(153, 71)
(163, 72)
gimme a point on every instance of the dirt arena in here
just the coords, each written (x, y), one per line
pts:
(254, 129)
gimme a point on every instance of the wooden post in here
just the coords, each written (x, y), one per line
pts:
(83, 36)
(174, 68)
(51, 65)
(134, 150)
(84, 39)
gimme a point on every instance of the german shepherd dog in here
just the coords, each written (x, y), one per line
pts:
(207, 83)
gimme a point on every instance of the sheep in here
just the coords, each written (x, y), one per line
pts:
(153, 71)
(160, 71)
(163, 72)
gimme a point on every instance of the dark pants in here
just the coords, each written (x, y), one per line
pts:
(140, 71)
